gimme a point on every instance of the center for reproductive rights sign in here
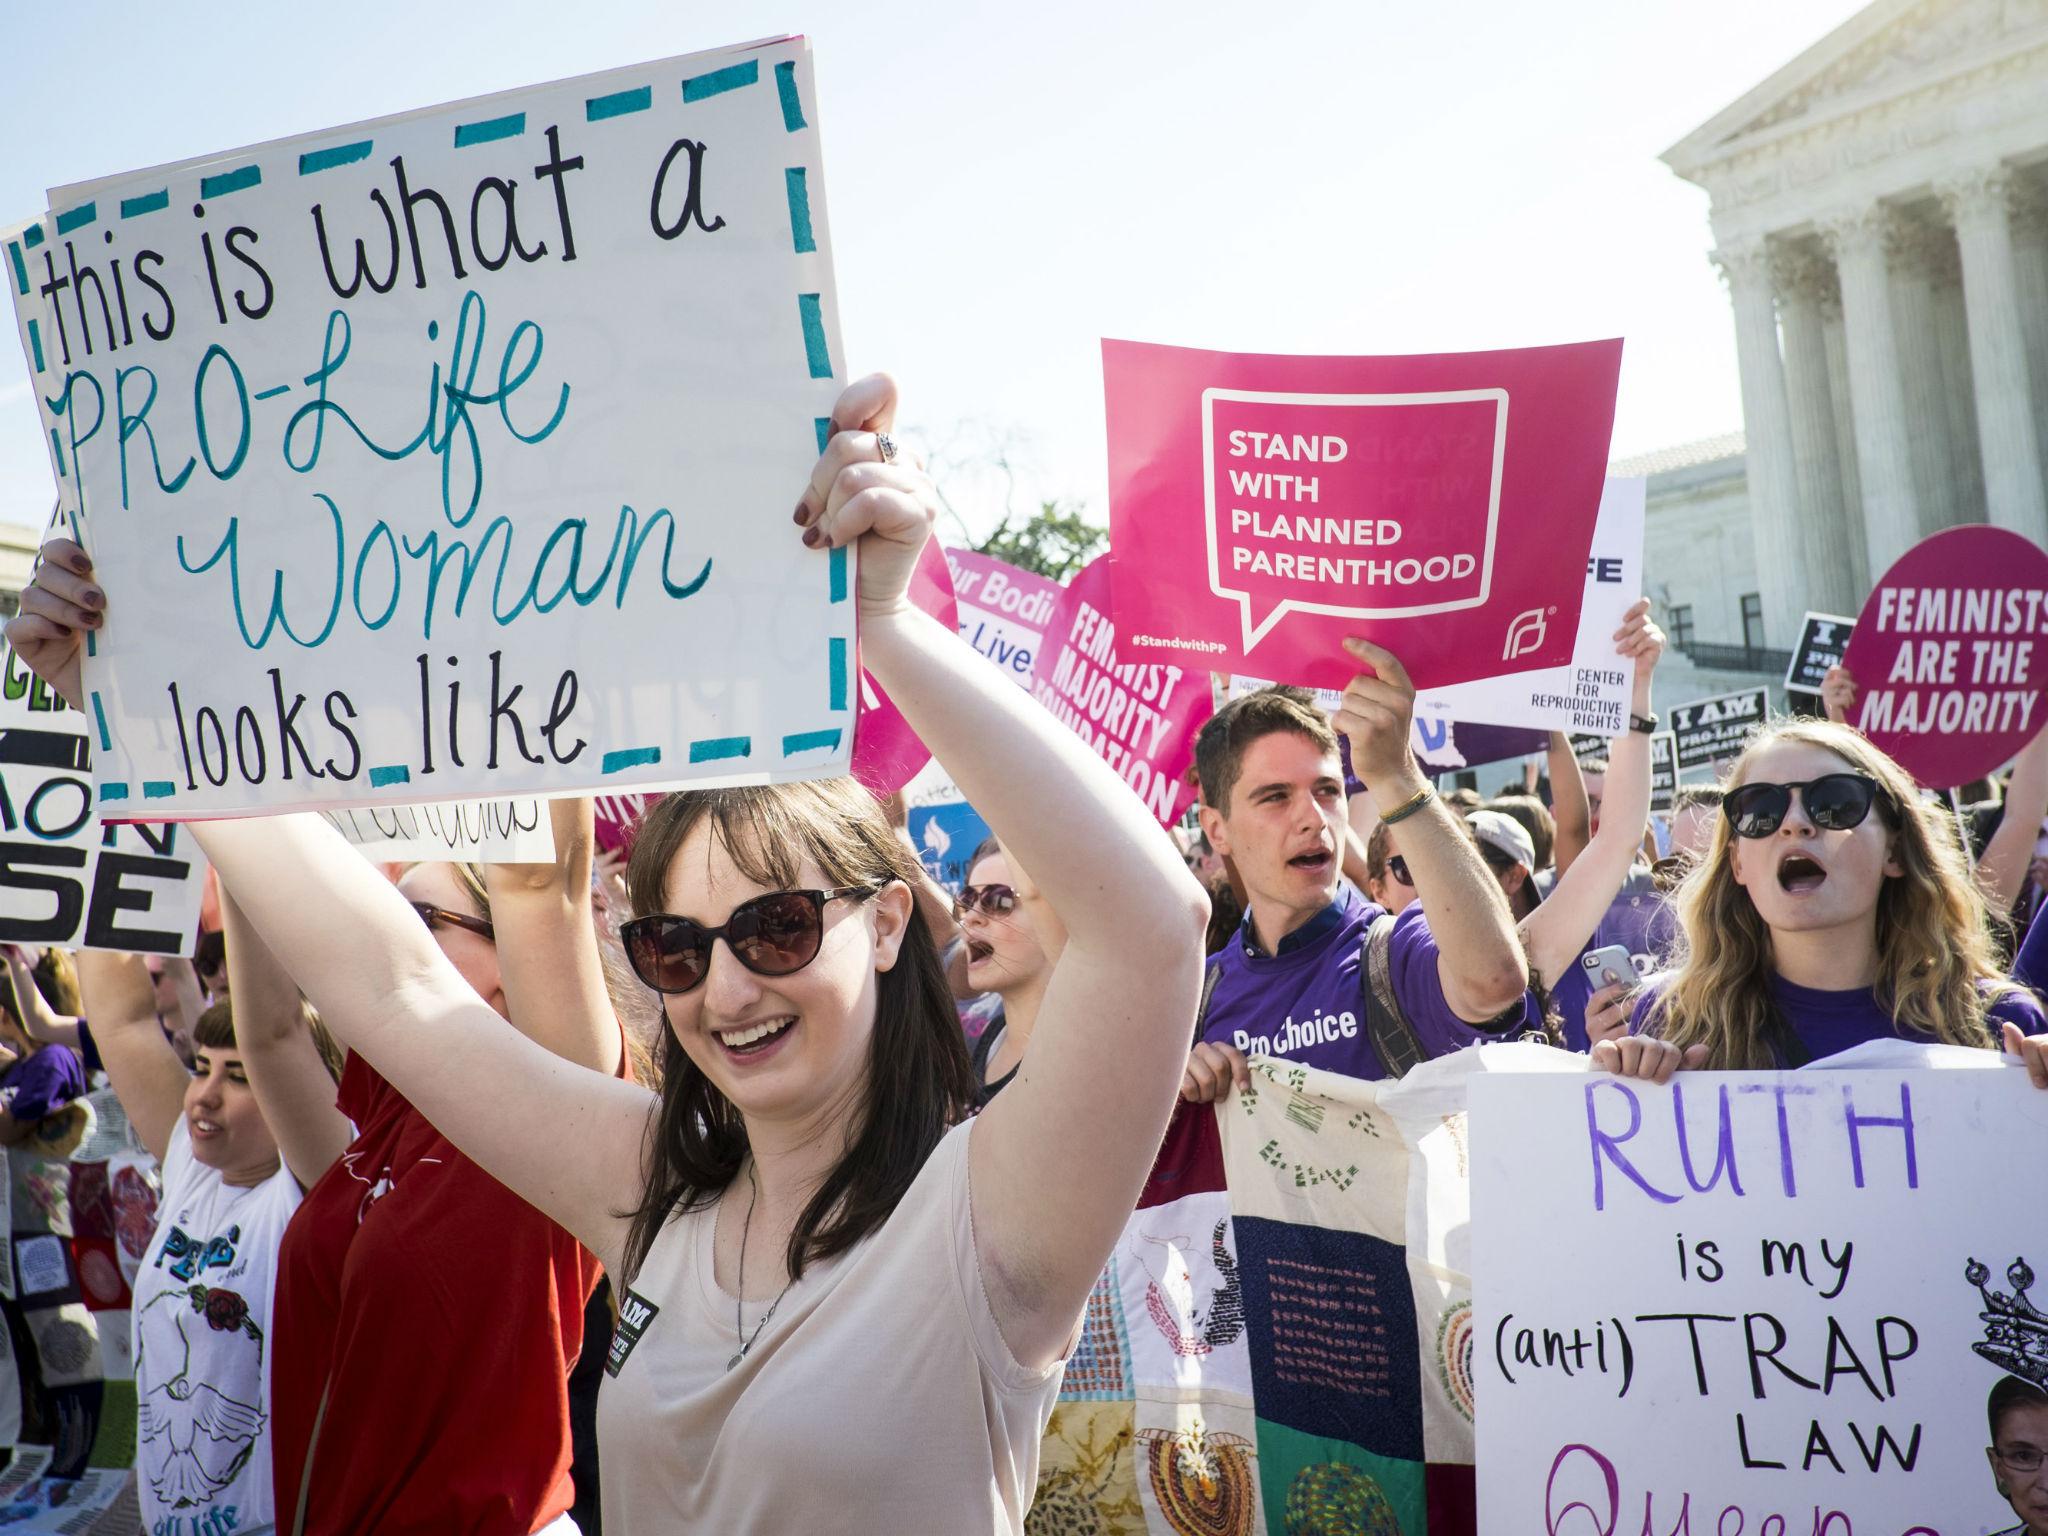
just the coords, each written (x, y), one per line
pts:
(1265, 507)
(1314, 493)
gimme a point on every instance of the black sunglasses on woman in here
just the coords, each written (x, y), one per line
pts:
(773, 935)
(1835, 802)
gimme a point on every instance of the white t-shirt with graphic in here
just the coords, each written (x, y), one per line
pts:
(202, 1341)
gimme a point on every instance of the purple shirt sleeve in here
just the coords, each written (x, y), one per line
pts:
(2031, 968)
(1412, 955)
(41, 1085)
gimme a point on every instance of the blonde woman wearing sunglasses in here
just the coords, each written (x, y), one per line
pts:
(845, 1299)
(1833, 907)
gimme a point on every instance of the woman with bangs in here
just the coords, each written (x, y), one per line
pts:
(1834, 907)
(845, 1298)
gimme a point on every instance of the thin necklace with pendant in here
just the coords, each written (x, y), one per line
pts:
(739, 1322)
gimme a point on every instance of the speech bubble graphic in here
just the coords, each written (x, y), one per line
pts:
(1371, 506)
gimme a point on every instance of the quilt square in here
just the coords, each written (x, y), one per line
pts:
(1319, 1487)
(1190, 1160)
(1177, 1271)
(1099, 1370)
(1088, 1473)
(1198, 1471)
(1331, 1322)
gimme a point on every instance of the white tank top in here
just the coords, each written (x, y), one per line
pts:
(880, 1396)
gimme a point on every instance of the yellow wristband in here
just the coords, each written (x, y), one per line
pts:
(1410, 806)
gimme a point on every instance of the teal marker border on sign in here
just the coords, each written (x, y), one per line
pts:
(314, 161)
(618, 104)
(629, 757)
(230, 181)
(77, 218)
(811, 741)
(799, 210)
(785, 87)
(719, 748)
(719, 81)
(32, 236)
(510, 126)
(393, 773)
(147, 202)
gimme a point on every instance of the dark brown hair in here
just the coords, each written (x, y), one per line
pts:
(2009, 1393)
(56, 977)
(919, 1083)
(215, 1031)
(1230, 732)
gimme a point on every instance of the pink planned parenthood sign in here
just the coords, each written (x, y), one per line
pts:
(1950, 654)
(1140, 717)
(1263, 507)
(887, 753)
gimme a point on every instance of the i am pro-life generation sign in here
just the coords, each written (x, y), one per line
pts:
(451, 454)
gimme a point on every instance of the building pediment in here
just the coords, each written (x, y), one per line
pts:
(1890, 50)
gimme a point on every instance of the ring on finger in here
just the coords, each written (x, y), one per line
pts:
(885, 445)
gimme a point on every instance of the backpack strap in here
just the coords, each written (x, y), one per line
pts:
(1209, 976)
(1386, 1025)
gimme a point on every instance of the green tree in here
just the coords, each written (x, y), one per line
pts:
(1055, 541)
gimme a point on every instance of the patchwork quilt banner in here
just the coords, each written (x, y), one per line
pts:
(1282, 1342)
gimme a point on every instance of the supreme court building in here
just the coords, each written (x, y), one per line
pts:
(1880, 216)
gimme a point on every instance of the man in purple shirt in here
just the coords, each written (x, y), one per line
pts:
(1291, 983)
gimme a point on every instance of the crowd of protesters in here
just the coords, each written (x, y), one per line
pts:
(445, 1244)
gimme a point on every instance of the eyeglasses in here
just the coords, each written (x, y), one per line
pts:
(773, 935)
(1834, 802)
(1397, 866)
(2022, 1458)
(430, 915)
(988, 900)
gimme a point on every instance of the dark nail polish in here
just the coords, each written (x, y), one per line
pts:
(92, 621)
(812, 538)
(94, 596)
(802, 514)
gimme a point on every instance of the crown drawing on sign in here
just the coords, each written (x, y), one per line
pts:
(2015, 1330)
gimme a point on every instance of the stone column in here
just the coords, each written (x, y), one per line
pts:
(1803, 279)
(1845, 434)
(1912, 249)
(1884, 466)
(1774, 511)
(2030, 258)
(1958, 383)
(2013, 493)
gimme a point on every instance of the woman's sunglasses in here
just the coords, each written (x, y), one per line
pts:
(988, 900)
(1397, 866)
(430, 915)
(773, 935)
(1834, 802)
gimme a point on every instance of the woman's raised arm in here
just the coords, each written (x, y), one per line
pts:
(148, 1078)
(1060, 1158)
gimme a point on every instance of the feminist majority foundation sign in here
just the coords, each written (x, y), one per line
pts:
(1766, 1302)
(1262, 508)
(452, 454)
(1948, 654)
(1141, 718)
(66, 878)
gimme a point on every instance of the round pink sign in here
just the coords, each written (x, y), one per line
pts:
(886, 752)
(1950, 654)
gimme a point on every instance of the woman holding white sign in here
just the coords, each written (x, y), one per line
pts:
(818, 1245)
(1833, 908)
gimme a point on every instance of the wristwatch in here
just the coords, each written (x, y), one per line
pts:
(1647, 724)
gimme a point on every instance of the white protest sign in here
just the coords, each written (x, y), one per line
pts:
(65, 879)
(452, 454)
(475, 831)
(1757, 1302)
(1592, 694)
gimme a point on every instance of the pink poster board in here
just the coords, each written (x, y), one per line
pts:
(1140, 717)
(1950, 654)
(1003, 610)
(1263, 507)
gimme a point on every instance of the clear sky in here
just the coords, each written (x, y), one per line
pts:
(1010, 184)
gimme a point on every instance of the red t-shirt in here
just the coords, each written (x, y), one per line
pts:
(439, 1314)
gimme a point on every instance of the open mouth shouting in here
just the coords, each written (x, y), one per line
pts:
(1800, 874)
(979, 950)
(1317, 861)
(755, 1041)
